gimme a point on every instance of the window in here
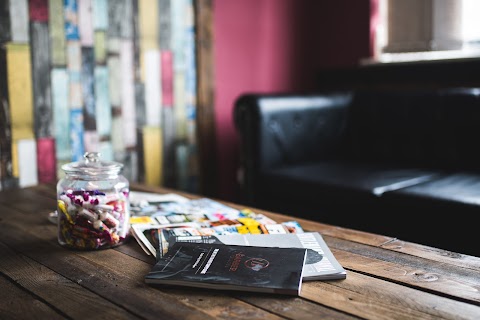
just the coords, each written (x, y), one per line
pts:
(420, 30)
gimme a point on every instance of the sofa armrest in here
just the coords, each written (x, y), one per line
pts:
(284, 129)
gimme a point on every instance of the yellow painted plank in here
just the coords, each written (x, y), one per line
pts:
(152, 153)
(148, 30)
(20, 91)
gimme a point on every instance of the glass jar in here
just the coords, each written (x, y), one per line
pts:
(92, 204)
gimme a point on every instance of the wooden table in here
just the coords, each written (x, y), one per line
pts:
(385, 279)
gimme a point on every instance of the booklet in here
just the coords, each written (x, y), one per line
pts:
(231, 267)
(320, 264)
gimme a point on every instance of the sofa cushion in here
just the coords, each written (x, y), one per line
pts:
(338, 193)
(441, 212)
(331, 185)
(458, 188)
(356, 177)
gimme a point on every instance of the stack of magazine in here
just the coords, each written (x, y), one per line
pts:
(204, 243)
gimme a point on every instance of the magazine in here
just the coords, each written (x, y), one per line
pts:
(153, 237)
(320, 264)
(178, 216)
(231, 267)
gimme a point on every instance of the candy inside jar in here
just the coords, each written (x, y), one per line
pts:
(92, 204)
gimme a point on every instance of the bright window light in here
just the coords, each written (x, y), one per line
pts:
(471, 22)
(469, 34)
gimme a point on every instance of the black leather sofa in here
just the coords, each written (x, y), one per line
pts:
(402, 163)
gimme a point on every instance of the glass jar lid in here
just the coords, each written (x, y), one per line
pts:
(92, 166)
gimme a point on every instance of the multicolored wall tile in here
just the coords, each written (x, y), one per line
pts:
(61, 113)
(26, 153)
(100, 15)
(85, 22)
(46, 160)
(20, 96)
(38, 10)
(56, 23)
(76, 134)
(153, 92)
(102, 103)
(19, 17)
(128, 94)
(71, 20)
(41, 79)
(88, 89)
(152, 154)
(7, 179)
(5, 34)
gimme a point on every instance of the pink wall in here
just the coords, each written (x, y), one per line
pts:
(277, 46)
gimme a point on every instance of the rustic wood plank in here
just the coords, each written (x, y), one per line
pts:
(71, 20)
(100, 47)
(26, 159)
(19, 21)
(373, 299)
(129, 129)
(26, 201)
(296, 308)
(16, 303)
(46, 160)
(168, 119)
(85, 22)
(133, 249)
(165, 24)
(88, 91)
(447, 280)
(38, 10)
(100, 15)
(191, 167)
(42, 103)
(56, 24)
(68, 297)
(136, 42)
(61, 111)
(120, 20)
(205, 95)
(5, 34)
(103, 109)
(19, 71)
(7, 180)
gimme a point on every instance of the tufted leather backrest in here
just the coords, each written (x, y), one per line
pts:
(291, 128)
(435, 128)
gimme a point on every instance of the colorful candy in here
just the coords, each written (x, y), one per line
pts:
(92, 219)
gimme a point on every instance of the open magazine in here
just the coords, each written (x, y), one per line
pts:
(180, 216)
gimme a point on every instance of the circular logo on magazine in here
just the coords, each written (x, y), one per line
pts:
(256, 264)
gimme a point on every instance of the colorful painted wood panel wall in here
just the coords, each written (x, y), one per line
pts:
(112, 76)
